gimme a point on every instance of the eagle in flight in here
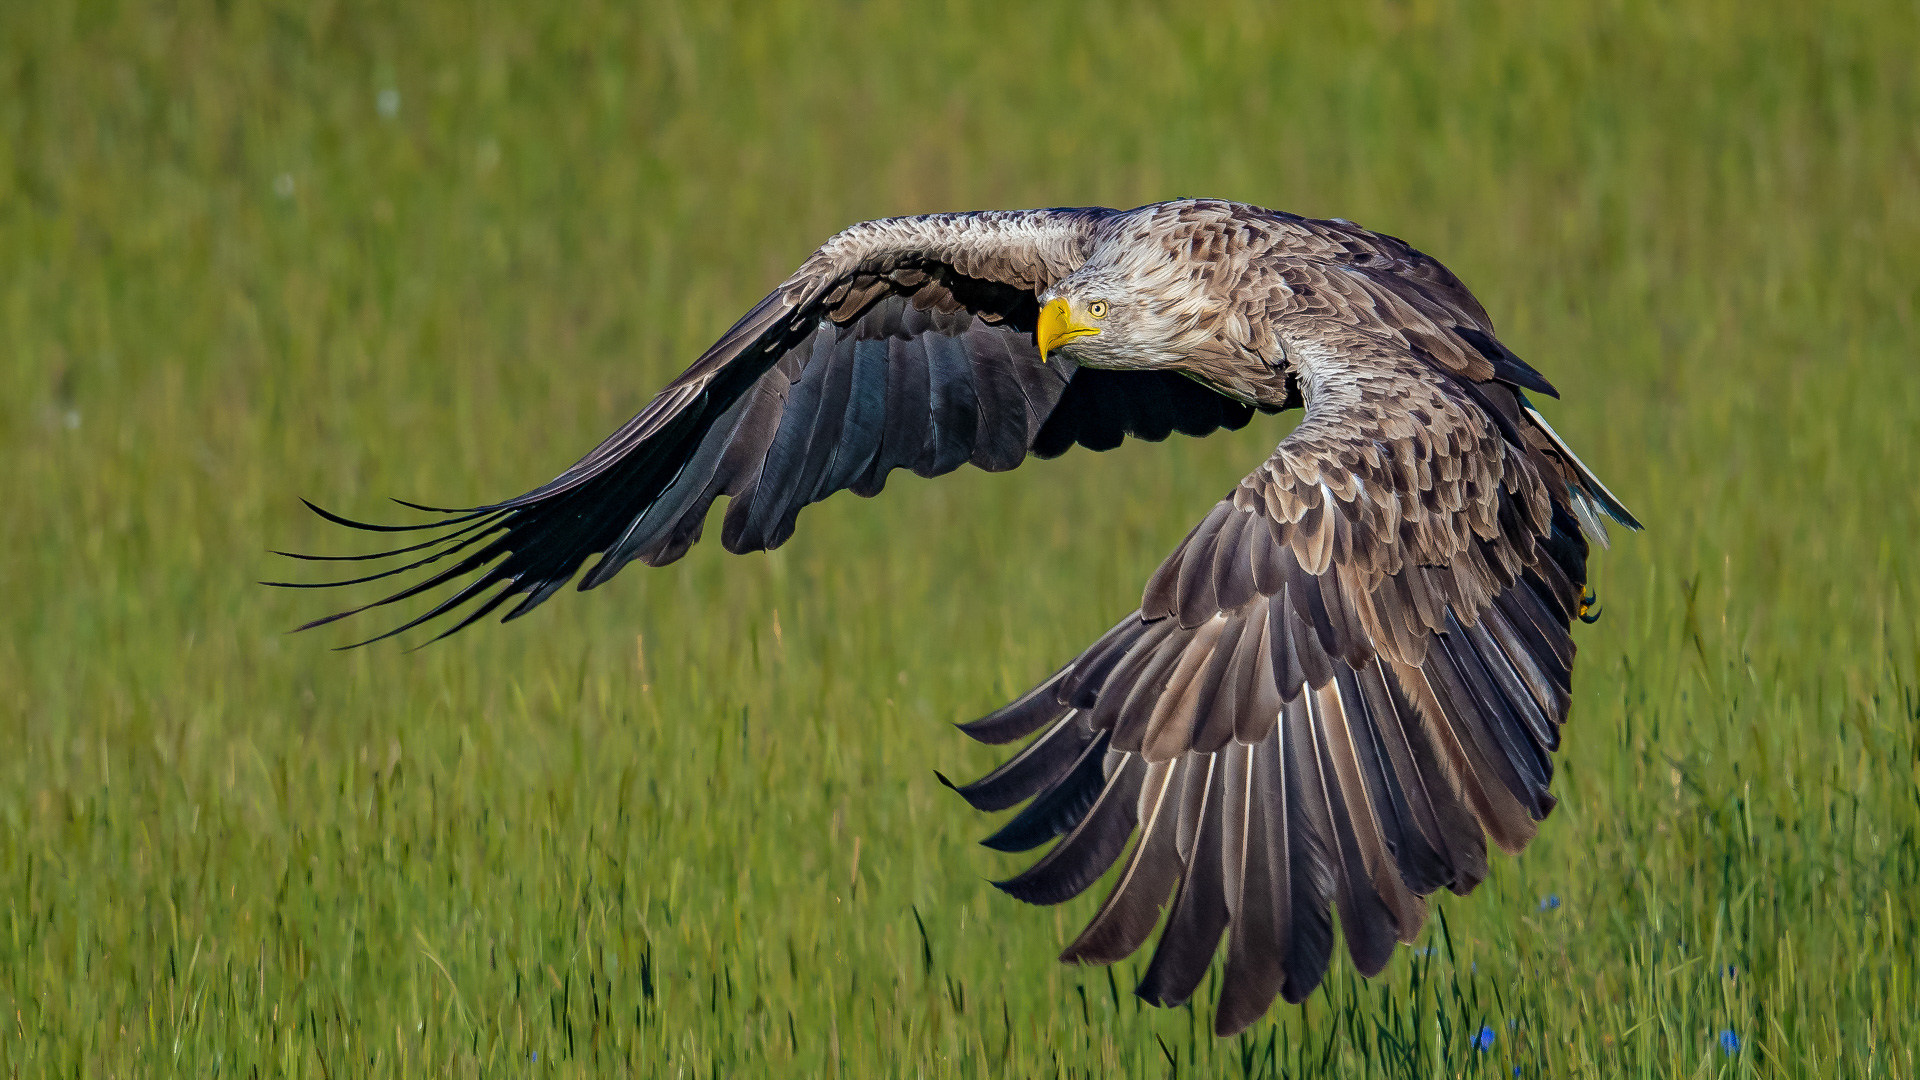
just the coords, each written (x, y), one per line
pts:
(1351, 673)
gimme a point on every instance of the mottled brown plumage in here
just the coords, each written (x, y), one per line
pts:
(1350, 673)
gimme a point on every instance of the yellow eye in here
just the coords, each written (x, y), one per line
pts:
(1097, 309)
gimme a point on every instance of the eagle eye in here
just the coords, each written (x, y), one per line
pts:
(1097, 309)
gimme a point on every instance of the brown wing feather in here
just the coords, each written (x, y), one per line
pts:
(1348, 676)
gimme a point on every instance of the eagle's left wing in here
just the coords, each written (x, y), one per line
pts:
(1347, 676)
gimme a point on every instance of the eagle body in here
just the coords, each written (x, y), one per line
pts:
(1350, 674)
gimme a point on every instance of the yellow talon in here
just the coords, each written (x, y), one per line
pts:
(1589, 602)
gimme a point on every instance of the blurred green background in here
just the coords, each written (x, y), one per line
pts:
(687, 825)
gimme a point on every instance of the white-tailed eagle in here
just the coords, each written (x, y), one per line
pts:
(1346, 677)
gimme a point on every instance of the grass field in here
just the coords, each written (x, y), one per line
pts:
(688, 825)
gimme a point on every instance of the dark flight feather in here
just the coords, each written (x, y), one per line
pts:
(1062, 804)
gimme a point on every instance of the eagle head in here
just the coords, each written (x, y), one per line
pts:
(1103, 317)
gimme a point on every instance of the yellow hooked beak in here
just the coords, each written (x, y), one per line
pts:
(1057, 327)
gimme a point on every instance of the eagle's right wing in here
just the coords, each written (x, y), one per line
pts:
(901, 343)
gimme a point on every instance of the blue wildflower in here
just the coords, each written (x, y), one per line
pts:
(1729, 1042)
(1483, 1042)
(1551, 901)
(1732, 972)
(1516, 1070)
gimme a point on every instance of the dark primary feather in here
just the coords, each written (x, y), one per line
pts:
(1060, 806)
(1041, 764)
